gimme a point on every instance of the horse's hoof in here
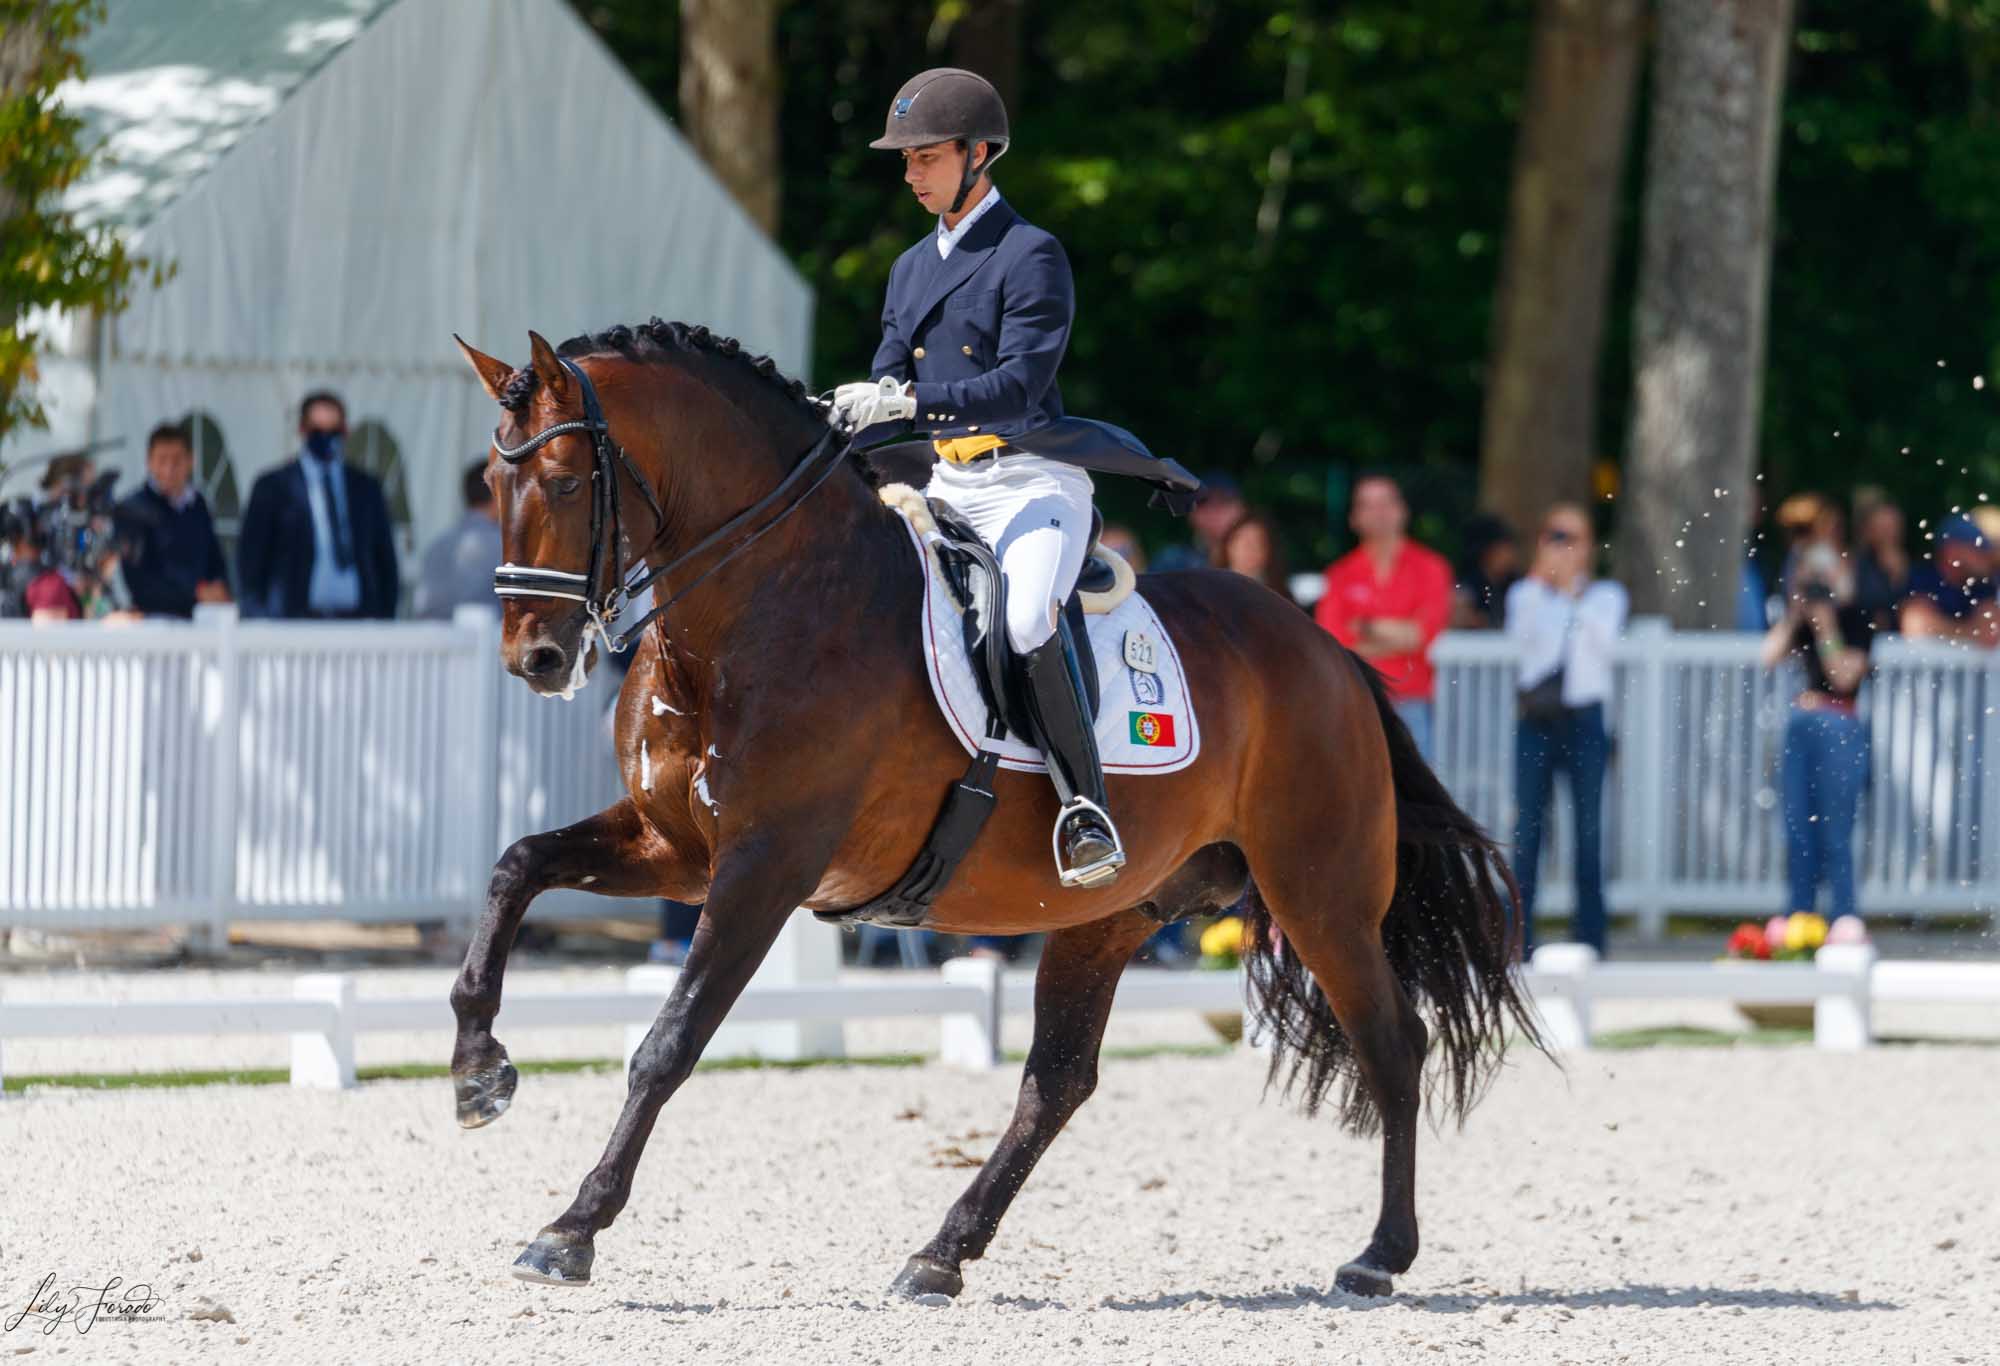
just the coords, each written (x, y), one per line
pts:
(484, 1095)
(556, 1258)
(1359, 1278)
(922, 1276)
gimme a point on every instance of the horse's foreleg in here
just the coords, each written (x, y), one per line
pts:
(1073, 990)
(614, 852)
(748, 903)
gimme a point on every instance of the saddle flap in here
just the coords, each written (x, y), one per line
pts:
(973, 572)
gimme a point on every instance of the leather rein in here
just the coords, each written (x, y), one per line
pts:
(623, 583)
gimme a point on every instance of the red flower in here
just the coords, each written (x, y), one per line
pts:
(1749, 942)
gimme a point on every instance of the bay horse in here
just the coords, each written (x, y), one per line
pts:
(781, 749)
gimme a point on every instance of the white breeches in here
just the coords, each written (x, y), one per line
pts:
(1035, 513)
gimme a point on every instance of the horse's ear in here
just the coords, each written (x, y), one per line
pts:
(492, 373)
(547, 368)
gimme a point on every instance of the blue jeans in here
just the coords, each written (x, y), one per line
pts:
(1416, 714)
(1578, 744)
(1822, 773)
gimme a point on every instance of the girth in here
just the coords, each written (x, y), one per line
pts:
(972, 571)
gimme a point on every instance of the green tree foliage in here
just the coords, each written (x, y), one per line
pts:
(1888, 255)
(47, 260)
(1294, 333)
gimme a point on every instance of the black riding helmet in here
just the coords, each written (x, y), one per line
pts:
(948, 104)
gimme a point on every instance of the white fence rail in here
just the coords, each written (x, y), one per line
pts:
(969, 997)
(171, 773)
(1693, 820)
(174, 773)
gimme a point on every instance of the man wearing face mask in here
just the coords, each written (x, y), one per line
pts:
(316, 541)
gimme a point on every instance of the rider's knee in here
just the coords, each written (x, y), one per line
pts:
(1030, 623)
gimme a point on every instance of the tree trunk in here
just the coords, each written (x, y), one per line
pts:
(1698, 345)
(987, 39)
(729, 97)
(23, 45)
(1539, 432)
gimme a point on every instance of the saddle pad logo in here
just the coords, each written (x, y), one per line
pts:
(1146, 689)
(1152, 728)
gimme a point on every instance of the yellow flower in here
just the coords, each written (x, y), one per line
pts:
(1223, 939)
(1804, 930)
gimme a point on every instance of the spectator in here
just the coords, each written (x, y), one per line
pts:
(1752, 584)
(1951, 594)
(678, 920)
(1881, 564)
(20, 557)
(1566, 625)
(1986, 516)
(1124, 542)
(172, 559)
(1217, 507)
(1825, 757)
(1490, 564)
(1387, 600)
(30, 585)
(1807, 520)
(1252, 548)
(458, 566)
(316, 540)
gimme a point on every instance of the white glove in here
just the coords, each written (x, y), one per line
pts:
(868, 402)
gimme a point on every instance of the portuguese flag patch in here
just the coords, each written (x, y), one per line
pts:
(1152, 728)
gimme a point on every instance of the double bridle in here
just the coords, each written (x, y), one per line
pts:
(622, 585)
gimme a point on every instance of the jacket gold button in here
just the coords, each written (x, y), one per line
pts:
(918, 353)
(966, 349)
(972, 429)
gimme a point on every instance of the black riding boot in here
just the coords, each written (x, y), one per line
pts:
(1086, 843)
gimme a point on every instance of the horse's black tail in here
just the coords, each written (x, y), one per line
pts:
(1451, 935)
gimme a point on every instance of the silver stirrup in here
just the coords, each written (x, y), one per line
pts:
(1090, 874)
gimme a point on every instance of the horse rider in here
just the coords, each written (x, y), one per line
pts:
(975, 323)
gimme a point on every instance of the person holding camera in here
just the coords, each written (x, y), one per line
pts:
(1824, 763)
(1565, 624)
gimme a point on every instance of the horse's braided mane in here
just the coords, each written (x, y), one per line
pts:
(654, 341)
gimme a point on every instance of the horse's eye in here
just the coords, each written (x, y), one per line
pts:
(565, 485)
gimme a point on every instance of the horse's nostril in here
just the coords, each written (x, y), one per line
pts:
(544, 659)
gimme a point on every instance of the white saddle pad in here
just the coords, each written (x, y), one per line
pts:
(1145, 717)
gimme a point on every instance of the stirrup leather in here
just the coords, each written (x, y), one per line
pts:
(1097, 871)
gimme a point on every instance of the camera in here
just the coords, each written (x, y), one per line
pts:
(75, 531)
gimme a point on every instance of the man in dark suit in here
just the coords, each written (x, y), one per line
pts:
(173, 559)
(316, 540)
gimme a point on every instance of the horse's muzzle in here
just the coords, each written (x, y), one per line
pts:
(554, 662)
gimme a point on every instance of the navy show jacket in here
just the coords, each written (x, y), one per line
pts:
(980, 331)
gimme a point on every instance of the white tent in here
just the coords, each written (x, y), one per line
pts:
(340, 186)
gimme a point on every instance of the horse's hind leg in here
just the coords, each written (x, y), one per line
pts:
(614, 852)
(1073, 990)
(1334, 928)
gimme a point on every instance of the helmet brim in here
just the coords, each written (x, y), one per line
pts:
(904, 141)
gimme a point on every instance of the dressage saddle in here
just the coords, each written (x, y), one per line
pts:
(972, 572)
